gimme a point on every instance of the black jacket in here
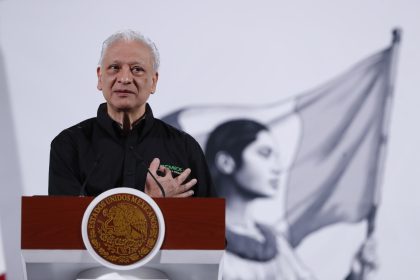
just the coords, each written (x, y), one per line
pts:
(94, 156)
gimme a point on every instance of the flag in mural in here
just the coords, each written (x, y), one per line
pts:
(2, 261)
(335, 172)
(332, 144)
(11, 189)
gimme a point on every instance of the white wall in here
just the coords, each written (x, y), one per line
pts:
(243, 52)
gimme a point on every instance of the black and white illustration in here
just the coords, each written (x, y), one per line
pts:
(300, 165)
(307, 111)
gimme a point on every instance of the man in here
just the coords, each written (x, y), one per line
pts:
(125, 146)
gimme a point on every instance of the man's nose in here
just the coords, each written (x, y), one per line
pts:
(125, 76)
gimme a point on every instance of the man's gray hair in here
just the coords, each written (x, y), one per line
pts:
(131, 35)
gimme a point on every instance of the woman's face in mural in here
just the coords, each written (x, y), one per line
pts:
(260, 170)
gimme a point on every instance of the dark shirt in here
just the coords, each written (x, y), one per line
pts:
(95, 155)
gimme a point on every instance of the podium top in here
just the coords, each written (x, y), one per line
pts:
(54, 222)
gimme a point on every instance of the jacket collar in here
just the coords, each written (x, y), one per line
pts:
(114, 129)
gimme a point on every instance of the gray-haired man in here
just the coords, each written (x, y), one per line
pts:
(125, 146)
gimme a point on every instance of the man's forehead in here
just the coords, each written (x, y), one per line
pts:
(122, 50)
(125, 61)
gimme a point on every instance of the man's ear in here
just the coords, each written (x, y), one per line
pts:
(155, 80)
(224, 162)
(99, 74)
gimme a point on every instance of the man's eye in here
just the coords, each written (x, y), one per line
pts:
(114, 67)
(137, 69)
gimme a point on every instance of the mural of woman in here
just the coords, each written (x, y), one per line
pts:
(245, 165)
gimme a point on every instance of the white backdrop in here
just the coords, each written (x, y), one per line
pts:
(233, 52)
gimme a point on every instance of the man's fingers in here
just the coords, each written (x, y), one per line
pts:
(167, 172)
(154, 165)
(174, 187)
(181, 178)
(190, 184)
(185, 190)
(185, 194)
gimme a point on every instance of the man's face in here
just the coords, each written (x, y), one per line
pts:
(126, 76)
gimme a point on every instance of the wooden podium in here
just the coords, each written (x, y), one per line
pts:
(52, 245)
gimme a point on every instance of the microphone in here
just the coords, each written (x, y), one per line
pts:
(162, 190)
(95, 164)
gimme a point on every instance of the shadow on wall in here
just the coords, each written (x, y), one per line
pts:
(11, 183)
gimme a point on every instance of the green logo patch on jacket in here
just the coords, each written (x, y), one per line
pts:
(173, 168)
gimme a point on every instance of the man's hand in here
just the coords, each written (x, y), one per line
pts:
(174, 187)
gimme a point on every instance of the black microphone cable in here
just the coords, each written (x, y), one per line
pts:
(162, 190)
(95, 164)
